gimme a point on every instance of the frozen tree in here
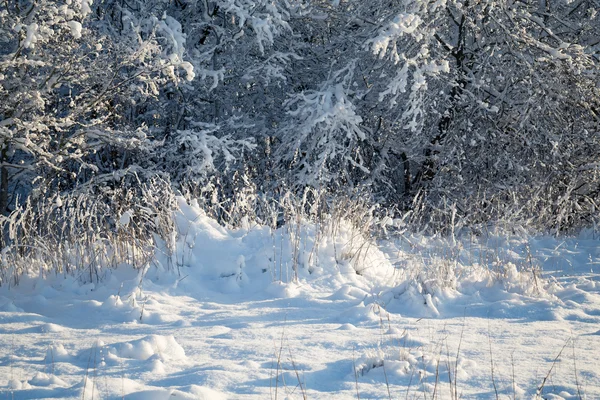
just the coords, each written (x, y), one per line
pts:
(355, 96)
(238, 61)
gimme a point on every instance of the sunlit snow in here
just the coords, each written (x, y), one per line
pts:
(247, 314)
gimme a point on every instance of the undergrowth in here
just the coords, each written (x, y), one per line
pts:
(86, 232)
(82, 233)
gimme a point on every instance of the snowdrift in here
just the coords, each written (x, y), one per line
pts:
(256, 312)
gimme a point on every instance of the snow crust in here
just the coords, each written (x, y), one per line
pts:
(262, 313)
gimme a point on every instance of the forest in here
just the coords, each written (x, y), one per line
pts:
(431, 111)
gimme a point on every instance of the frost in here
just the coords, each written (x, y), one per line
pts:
(173, 32)
(85, 7)
(326, 127)
(215, 75)
(398, 84)
(263, 32)
(266, 21)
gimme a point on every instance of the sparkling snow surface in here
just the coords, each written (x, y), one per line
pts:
(224, 318)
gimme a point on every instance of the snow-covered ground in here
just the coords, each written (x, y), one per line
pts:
(261, 314)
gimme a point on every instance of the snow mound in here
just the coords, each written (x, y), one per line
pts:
(51, 328)
(7, 305)
(410, 362)
(56, 352)
(164, 348)
(130, 310)
(42, 379)
(258, 258)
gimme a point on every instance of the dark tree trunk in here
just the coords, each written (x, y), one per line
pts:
(429, 167)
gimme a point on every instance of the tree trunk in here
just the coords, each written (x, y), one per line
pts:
(428, 169)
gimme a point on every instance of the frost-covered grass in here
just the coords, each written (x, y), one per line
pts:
(311, 310)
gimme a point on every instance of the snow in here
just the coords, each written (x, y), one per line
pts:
(75, 28)
(404, 23)
(125, 218)
(173, 32)
(189, 70)
(262, 313)
(31, 37)
(85, 7)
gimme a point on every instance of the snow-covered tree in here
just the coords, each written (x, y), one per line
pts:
(69, 89)
(467, 101)
(473, 103)
(322, 135)
(521, 107)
